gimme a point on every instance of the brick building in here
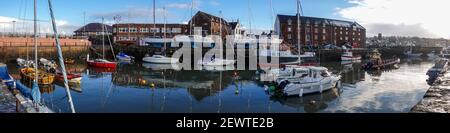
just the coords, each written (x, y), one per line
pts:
(319, 31)
(130, 33)
(210, 25)
(200, 24)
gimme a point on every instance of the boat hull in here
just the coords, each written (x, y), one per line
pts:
(102, 64)
(44, 78)
(165, 60)
(294, 89)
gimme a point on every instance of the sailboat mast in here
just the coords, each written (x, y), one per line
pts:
(165, 30)
(35, 43)
(298, 29)
(103, 37)
(154, 18)
(192, 15)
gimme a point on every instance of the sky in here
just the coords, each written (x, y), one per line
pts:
(423, 18)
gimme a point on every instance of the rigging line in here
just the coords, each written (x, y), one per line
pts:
(24, 16)
(61, 58)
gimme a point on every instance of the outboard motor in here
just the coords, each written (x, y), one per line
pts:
(283, 84)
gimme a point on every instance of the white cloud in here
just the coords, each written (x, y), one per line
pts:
(44, 26)
(179, 5)
(425, 15)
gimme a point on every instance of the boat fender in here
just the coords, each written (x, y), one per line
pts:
(300, 94)
(321, 88)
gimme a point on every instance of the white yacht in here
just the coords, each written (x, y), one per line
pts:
(300, 80)
(159, 59)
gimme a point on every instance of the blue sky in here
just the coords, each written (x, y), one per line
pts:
(390, 17)
(177, 11)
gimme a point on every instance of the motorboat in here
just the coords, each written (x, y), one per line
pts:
(375, 62)
(47, 65)
(159, 59)
(24, 63)
(124, 57)
(299, 80)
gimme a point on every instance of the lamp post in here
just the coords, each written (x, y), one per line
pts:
(14, 27)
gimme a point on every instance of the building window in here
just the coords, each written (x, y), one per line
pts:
(143, 30)
(324, 31)
(359, 34)
(340, 38)
(289, 36)
(340, 32)
(168, 30)
(176, 30)
(324, 37)
(346, 38)
(133, 30)
(123, 29)
(289, 29)
(289, 22)
(316, 30)
(154, 30)
(316, 37)
(346, 33)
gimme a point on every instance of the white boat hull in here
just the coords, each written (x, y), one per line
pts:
(124, 58)
(216, 62)
(160, 60)
(298, 89)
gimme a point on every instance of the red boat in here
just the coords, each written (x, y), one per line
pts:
(102, 63)
(73, 78)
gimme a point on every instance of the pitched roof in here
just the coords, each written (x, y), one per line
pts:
(209, 16)
(94, 27)
(293, 18)
(234, 24)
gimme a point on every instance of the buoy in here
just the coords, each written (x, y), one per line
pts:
(152, 85)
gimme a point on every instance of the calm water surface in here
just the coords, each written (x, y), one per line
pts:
(129, 89)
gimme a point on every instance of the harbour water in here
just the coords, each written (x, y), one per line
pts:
(145, 88)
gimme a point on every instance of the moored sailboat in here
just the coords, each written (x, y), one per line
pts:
(103, 63)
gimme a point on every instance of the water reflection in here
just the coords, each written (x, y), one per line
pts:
(309, 103)
(141, 87)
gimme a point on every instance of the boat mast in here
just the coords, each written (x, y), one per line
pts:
(154, 18)
(35, 44)
(192, 15)
(165, 30)
(103, 37)
(60, 56)
(298, 30)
